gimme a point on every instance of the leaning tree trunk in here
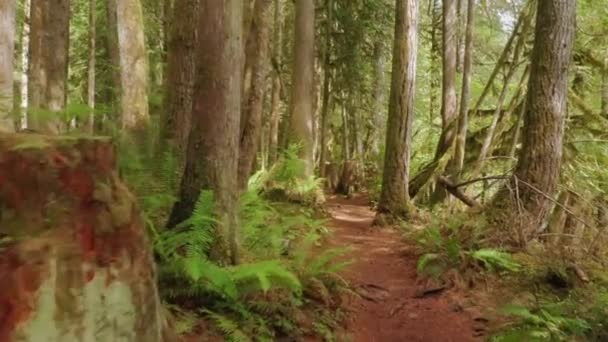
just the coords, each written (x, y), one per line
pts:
(7, 46)
(256, 69)
(302, 85)
(449, 109)
(133, 65)
(175, 124)
(528, 205)
(48, 65)
(75, 261)
(394, 198)
(213, 144)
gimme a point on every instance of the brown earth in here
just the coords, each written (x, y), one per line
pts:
(384, 274)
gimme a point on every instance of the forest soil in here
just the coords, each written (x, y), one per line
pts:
(383, 272)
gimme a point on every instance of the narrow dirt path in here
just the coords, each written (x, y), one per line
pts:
(385, 276)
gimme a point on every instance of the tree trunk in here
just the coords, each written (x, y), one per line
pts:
(605, 87)
(463, 115)
(7, 46)
(48, 68)
(75, 261)
(378, 99)
(394, 198)
(487, 142)
(180, 74)
(275, 106)
(256, 70)
(90, 121)
(301, 125)
(448, 96)
(435, 14)
(25, 53)
(538, 167)
(133, 65)
(213, 144)
(326, 87)
(114, 57)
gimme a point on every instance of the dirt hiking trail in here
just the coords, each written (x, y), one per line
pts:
(384, 274)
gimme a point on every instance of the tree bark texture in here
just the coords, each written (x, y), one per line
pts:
(449, 102)
(256, 70)
(7, 49)
(301, 124)
(75, 261)
(538, 168)
(275, 102)
(133, 65)
(378, 99)
(605, 87)
(326, 88)
(181, 72)
(463, 115)
(394, 198)
(89, 124)
(213, 144)
(48, 65)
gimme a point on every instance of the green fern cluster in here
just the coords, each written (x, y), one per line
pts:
(546, 323)
(286, 180)
(456, 245)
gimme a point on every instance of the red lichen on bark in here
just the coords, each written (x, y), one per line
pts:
(65, 213)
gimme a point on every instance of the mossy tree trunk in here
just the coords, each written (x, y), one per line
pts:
(213, 145)
(394, 198)
(75, 261)
(529, 203)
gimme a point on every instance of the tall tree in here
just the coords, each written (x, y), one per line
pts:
(275, 101)
(133, 65)
(605, 87)
(7, 43)
(89, 124)
(213, 144)
(394, 198)
(48, 64)
(175, 124)
(326, 87)
(463, 114)
(538, 168)
(378, 98)
(301, 124)
(256, 70)
(448, 95)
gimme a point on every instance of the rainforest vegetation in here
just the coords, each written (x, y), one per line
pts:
(306, 170)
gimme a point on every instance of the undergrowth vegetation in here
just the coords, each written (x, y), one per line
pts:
(542, 293)
(285, 285)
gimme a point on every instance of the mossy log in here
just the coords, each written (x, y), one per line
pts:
(75, 261)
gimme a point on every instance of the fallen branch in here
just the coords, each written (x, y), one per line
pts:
(454, 190)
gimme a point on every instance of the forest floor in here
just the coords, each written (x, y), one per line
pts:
(383, 273)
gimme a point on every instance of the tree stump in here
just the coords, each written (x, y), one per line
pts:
(75, 261)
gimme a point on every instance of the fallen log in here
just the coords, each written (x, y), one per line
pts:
(75, 261)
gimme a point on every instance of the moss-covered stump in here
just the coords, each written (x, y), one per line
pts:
(75, 262)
